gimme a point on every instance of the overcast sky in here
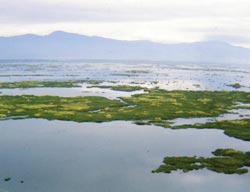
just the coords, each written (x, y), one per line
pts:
(168, 21)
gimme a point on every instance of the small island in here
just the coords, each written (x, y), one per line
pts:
(227, 161)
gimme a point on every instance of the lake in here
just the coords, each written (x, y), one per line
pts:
(40, 155)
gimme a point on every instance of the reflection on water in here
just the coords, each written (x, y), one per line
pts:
(115, 156)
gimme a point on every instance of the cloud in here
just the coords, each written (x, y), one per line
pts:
(156, 20)
(44, 11)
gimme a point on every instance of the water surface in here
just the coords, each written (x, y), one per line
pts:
(115, 156)
(169, 75)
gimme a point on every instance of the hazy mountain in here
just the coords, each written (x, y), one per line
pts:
(62, 45)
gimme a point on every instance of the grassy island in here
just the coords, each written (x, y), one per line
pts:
(155, 107)
(235, 128)
(35, 84)
(227, 161)
(127, 88)
(235, 86)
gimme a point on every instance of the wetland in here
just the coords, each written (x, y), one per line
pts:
(82, 123)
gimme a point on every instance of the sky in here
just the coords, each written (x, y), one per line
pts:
(166, 21)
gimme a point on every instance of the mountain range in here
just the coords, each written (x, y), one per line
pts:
(64, 45)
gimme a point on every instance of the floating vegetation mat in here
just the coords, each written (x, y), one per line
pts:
(34, 84)
(227, 161)
(156, 107)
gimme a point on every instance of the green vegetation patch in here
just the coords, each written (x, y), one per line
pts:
(53, 107)
(156, 107)
(138, 71)
(227, 161)
(236, 85)
(235, 128)
(33, 84)
(159, 105)
(127, 88)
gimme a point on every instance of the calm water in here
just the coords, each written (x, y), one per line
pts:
(116, 156)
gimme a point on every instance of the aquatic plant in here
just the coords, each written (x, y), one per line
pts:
(127, 88)
(235, 128)
(227, 161)
(236, 85)
(33, 84)
(156, 107)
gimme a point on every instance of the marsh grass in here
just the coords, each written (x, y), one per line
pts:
(156, 107)
(36, 84)
(227, 161)
(235, 86)
(126, 88)
(235, 128)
